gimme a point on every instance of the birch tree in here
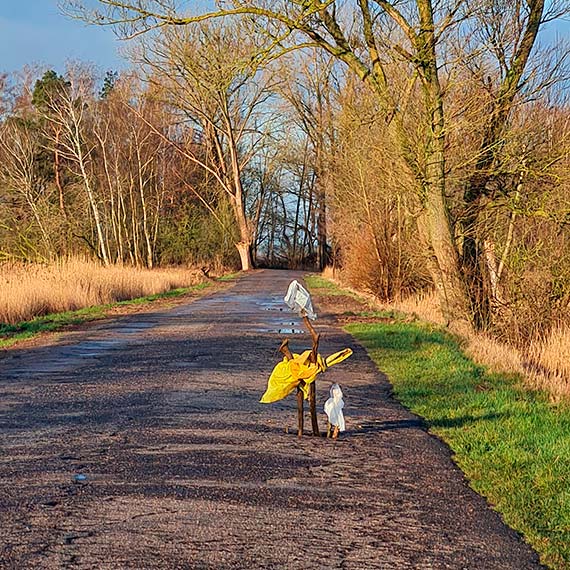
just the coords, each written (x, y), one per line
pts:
(68, 113)
(21, 174)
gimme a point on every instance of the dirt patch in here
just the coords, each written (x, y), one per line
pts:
(346, 319)
(334, 306)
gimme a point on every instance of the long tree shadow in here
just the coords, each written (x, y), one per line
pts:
(371, 426)
(465, 420)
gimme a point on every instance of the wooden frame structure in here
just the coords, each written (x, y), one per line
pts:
(284, 349)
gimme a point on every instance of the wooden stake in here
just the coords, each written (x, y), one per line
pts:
(313, 408)
(313, 387)
(300, 418)
(316, 337)
(284, 350)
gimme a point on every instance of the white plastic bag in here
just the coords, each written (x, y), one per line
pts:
(334, 406)
(299, 299)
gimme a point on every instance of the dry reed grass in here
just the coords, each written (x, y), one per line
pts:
(495, 355)
(424, 306)
(544, 363)
(548, 362)
(330, 273)
(31, 290)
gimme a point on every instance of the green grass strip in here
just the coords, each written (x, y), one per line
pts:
(512, 444)
(321, 286)
(229, 276)
(10, 334)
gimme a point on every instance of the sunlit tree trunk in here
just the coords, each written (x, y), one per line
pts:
(434, 222)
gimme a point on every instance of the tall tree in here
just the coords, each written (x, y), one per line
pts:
(506, 35)
(207, 74)
(309, 89)
(21, 173)
(49, 92)
(68, 112)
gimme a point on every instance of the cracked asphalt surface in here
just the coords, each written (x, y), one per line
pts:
(141, 444)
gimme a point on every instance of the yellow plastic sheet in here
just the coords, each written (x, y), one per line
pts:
(288, 374)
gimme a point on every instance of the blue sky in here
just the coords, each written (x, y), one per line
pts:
(34, 31)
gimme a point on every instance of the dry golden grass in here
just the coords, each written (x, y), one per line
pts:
(544, 363)
(495, 355)
(548, 362)
(31, 290)
(330, 273)
(553, 352)
(424, 305)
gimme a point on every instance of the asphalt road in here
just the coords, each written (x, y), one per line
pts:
(141, 444)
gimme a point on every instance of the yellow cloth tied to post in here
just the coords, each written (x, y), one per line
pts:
(288, 374)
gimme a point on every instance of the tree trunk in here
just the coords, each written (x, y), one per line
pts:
(244, 245)
(59, 186)
(322, 253)
(95, 210)
(145, 229)
(493, 138)
(443, 262)
(244, 249)
(76, 142)
(435, 224)
(321, 195)
(473, 265)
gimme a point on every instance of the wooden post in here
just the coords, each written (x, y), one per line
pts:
(313, 387)
(316, 337)
(284, 349)
(313, 408)
(286, 352)
(300, 419)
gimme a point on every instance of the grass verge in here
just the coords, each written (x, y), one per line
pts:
(11, 334)
(228, 276)
(512, 444)
(321, 286)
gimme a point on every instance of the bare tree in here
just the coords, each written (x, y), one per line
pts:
(20, 173)
(206, 74)
(309, 89)
(69, 113)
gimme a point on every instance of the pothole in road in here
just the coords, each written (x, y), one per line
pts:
(283, 331)
(133, 328)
